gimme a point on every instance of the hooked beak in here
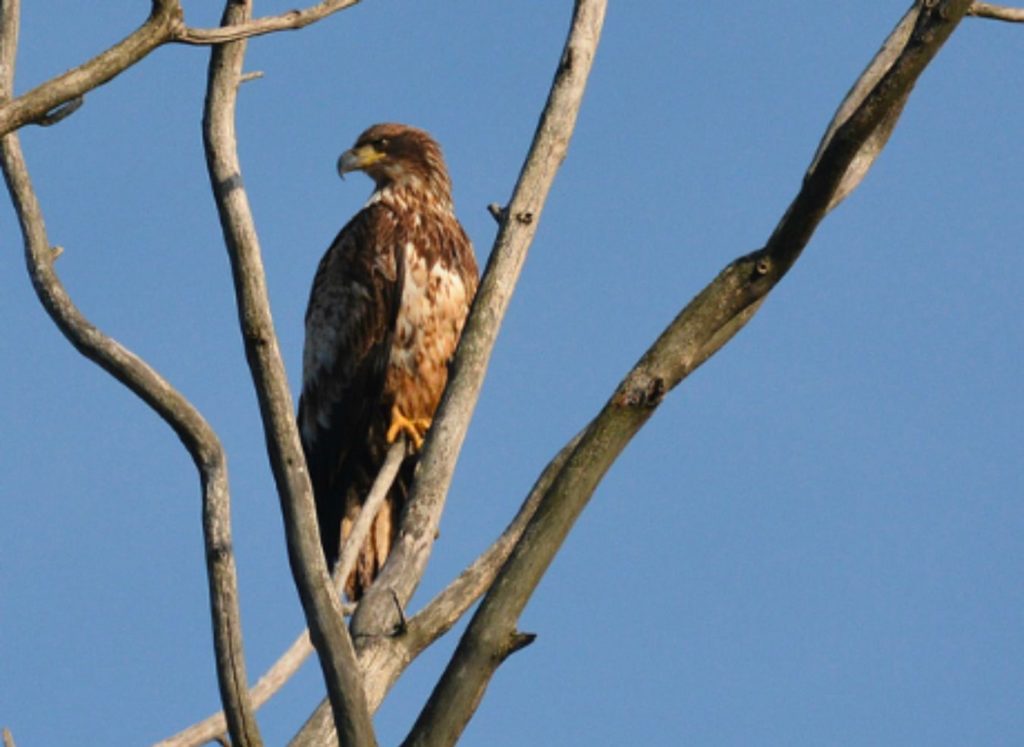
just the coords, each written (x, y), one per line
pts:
(357, 159)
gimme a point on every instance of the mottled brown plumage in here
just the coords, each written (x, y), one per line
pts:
(387, 307)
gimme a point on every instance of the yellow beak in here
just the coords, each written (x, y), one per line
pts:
(358, 159)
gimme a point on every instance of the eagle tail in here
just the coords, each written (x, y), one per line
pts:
(383, 531)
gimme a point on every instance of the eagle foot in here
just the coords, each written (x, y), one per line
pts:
(415, 429)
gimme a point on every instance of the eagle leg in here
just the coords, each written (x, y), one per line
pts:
(415, 428)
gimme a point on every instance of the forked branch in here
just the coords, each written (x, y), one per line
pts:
(165, 25)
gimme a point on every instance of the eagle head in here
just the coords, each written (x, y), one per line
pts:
(398, 156)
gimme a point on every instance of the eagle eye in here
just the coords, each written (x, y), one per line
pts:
(380, 144)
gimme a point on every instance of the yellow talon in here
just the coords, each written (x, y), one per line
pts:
(415, 429)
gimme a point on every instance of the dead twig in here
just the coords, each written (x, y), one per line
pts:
(996, 12)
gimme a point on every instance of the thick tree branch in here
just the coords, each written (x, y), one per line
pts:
(996, 12)
(194, 432)
(319, 602)
(703, 327)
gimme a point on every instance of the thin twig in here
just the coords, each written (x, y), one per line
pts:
(368, 511)
(289, 21)
(996, 12)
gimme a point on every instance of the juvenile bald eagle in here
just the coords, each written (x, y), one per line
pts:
(385, 313)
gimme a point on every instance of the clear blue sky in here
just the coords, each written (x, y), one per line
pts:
(819, 537)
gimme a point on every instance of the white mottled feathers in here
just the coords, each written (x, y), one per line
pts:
(385, 313)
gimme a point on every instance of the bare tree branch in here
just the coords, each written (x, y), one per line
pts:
(855, 132)
(702, 327)
(165, 24)
(10, 25)
(319, 602)
(195, 433)
(371, 505)
(293, 19)
(996, 12)
(883, 60)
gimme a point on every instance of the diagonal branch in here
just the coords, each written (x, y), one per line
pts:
(319, 602)
(706, 324)
(862, 124)
(193, 430)
(371, 505)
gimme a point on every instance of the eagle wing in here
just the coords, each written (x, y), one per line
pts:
(350, 324)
